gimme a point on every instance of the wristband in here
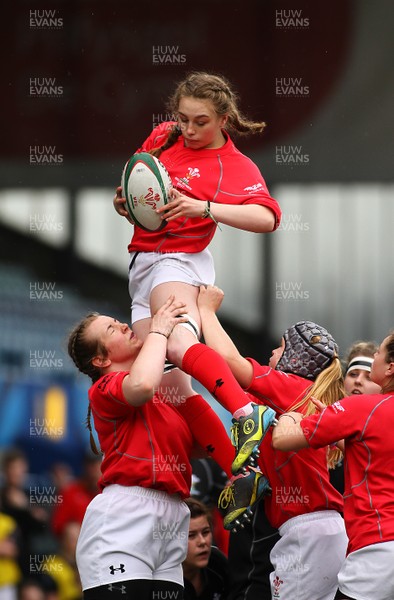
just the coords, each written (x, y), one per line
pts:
(207, 213)
(207, 210)
(289, 416)
(160, 333)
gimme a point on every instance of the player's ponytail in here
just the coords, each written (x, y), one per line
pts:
(93, 444)
(174, 134)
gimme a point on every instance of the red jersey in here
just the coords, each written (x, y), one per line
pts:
(148, 445)
(299, 480)
(223, 175)
(366, 423)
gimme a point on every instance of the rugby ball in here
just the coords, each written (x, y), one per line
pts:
(146, 185)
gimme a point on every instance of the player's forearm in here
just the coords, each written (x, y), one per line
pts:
(146, 372)
(248, 217)
(287, 434)
(215, 336)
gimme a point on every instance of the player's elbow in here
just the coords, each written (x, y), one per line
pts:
(139, 393)
(267, 222)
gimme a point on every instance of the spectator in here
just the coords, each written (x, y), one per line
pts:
(10, 573)
(32, 588)
(62, 567)
(31, 518)
(205, 566)
(208, 480)
(76, 496)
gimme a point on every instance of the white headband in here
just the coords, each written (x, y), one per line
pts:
(360, 362)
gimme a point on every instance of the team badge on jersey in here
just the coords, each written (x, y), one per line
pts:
(184, 182)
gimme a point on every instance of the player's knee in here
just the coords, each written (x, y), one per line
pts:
(182, 337)
(191, 325)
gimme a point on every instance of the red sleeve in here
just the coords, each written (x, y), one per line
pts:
(278, 390)
(107, 398)
(246, 180)
(338, 421)
(269, 202)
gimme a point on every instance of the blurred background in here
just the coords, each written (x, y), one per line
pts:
(86, 81)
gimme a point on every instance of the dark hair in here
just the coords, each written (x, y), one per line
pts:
(390, 348)
(199, 509)
(82, 350)
(11, 455)
(217, 89)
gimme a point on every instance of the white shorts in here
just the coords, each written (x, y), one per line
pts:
(132, 533)
(368, 573)
(149, 269)
(308, 556)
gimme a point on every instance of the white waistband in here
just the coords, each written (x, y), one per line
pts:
(307, 518)
(136, 490)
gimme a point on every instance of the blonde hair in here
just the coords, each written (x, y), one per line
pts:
(218, 90)
(328, 388)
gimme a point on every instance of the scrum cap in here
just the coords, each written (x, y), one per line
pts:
(309, 349)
